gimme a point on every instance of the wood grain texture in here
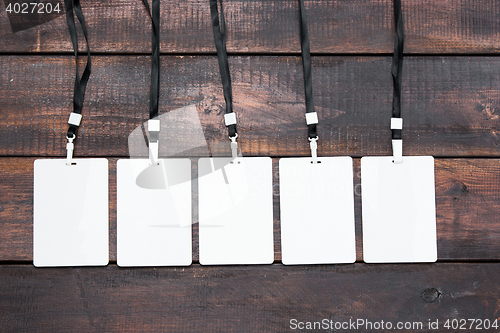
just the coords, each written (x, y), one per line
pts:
(451, 110)
(335, 26)
(450, 105)
(467, 207)
(244, 298)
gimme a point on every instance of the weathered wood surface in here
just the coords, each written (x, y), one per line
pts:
(255, 26)
(467, 198)
(245, 298)
(451, 105)
(451, 110)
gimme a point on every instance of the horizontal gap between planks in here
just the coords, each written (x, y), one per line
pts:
(250, 54)
(197, 263)
(474, 157)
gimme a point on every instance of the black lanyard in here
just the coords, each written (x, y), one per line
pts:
(306, 65)
(80, 83)
(154, 124)
(155, 57)
(220, 45)
(397, 67)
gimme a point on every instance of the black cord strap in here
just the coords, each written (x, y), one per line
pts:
(80, 83)
(155, 57)
(306, 64)
(397, 66)
(220, 45)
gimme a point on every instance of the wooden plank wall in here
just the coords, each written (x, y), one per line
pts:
(451, 109)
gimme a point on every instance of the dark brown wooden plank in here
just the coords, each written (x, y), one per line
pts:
(244, 298)
(467, 198)
(336, 26)
(16, 208)
(467, 207)
(450, 105)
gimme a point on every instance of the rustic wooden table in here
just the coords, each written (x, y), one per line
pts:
(451, 109)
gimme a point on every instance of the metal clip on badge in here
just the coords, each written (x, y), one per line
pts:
(69, 150)
(312, 119)
(397, 144)
(154, 133)
(313, 143)
(230, 119)
(74, 120)
(234, 149)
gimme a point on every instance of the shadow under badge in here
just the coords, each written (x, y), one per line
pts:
(152, 178)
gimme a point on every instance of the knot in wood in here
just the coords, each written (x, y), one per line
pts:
(430, 295)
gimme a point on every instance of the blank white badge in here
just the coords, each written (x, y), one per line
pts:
(70, 214)
(236, 211)
(154, 213)
(399, 209)
(317, 211)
